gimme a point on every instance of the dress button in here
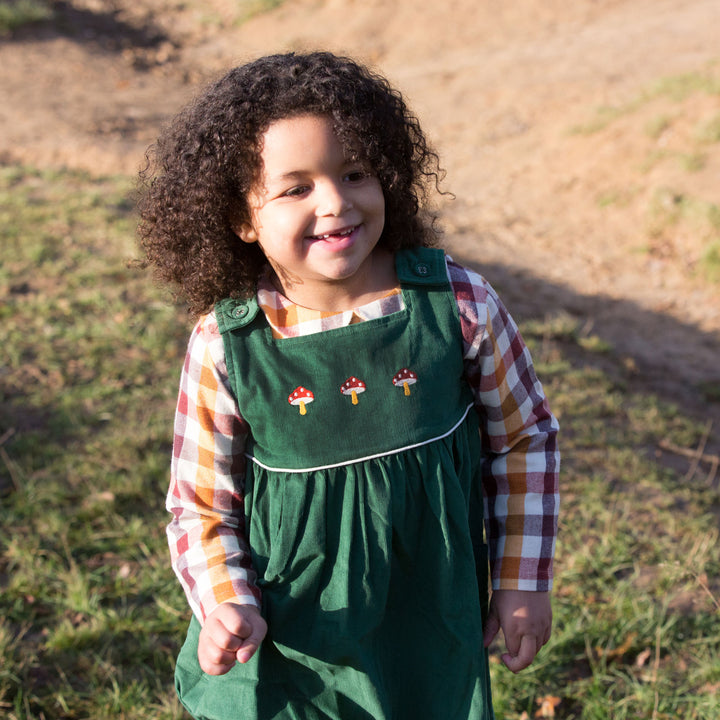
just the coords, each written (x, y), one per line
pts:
(240, 311)
(421, 269)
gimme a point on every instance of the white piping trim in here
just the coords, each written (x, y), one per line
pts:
(363, 459)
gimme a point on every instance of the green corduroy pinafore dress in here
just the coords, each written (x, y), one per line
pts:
(364, 515)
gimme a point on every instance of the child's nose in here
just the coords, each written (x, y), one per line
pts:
(333, 200)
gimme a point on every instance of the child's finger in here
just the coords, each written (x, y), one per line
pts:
(245, 629)
(214, 660)
(524, 656)
(226, 631)
(249, 646)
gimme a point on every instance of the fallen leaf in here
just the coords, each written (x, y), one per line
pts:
(618, 652)
(547, 706)
(643, 657)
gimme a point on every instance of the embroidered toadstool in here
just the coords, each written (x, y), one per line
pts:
(301, 396)
(405, 378)
(353, 386)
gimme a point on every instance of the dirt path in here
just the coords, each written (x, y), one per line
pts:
(606, 225)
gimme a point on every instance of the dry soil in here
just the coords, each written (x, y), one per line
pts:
(562, 216)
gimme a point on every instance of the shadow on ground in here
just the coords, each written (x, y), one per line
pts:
(679, 363)
(101, 31)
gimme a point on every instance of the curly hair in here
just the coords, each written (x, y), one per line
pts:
(194, 188)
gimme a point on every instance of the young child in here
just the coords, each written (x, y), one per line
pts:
(354, 407)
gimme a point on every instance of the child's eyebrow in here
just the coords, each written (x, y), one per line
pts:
(269, 182)
(299, 174)
(291, 175)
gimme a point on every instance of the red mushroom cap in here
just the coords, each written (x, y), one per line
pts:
(404, 376)
(352, 383)
(300, 394)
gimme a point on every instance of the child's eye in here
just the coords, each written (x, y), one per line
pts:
(296, 191)
(356, 175)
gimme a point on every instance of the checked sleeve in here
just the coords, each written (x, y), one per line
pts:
(209, 552)
(519, 437)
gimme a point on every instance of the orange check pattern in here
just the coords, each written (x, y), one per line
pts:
(208, 545)
(290, 320)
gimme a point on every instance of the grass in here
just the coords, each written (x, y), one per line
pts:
(636, 619)
(250, 8)
(671, 212)
(91, 617)
(708, 131)
(677, 131)
(86, 394)
(674, 88)
(16, 13)
(234, 14)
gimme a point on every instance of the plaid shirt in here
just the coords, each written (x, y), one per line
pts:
(208, 544)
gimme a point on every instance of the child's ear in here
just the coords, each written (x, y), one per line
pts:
(246, 232)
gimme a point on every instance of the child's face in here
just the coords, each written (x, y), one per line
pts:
(316, 215)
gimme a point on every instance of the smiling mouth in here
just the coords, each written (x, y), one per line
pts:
(336, 234)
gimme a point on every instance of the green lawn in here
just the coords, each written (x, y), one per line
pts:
(91, 616)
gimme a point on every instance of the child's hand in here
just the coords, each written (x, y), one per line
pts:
(231, 633)
(526, 622)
